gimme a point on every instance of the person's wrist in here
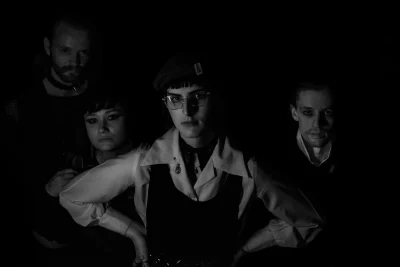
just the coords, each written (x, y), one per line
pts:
(128, 232)
(49, 192)
(241, 252)
(133, 234)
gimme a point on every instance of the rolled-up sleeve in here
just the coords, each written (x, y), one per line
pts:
(295, 222)
(86, 196)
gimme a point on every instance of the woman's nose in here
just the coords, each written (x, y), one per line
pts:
(103, 128)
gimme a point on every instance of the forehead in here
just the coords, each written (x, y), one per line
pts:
(184, 90)
(117, 108)
(317, 99)
(65, 34)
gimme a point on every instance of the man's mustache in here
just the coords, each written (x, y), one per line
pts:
(72, 68)
(316, 131)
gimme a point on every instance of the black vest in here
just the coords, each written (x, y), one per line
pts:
(182, 228)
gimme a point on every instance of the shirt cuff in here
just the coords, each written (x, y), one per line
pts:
(115, 221)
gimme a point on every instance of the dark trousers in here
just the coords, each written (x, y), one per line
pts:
(282, 257)
(84, 254)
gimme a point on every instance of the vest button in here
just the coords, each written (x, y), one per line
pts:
(178, 169)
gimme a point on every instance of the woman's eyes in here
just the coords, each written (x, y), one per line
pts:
(91, 121)
(111, 117)
(114, 117)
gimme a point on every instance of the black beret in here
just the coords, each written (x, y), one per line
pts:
(184, 65)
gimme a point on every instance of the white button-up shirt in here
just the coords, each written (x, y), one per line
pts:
(296, 221)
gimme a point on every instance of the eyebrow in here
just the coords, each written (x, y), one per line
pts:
(305, 107)
(114, 110)
(194, 91)
(63, 46)
(107, 112)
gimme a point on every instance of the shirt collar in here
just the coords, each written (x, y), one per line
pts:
(165, 150)
(324, 154)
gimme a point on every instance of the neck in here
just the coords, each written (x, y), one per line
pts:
(317, 153)
(313, 152)
(54, 90)
(54, 75)
(200, 141)
(103, 156)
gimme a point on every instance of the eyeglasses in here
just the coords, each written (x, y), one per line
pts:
(198, 99)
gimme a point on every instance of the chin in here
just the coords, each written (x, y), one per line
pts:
(317, 142)
(70, 78)
(105, 147)
(191, 132)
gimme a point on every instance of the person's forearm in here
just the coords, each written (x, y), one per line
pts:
(115, 221)
(85, 196)
(103, 216)
(280, 233)
(296, 221)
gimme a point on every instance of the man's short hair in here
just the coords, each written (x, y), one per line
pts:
(313, 85)
(76, 19)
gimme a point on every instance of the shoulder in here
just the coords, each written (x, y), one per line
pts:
(135, 156)
(137, 152)
(11, 109)
(14, 104)
(142, 149)
(269, 172)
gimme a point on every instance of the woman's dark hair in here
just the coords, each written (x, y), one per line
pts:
(99, 101)
(166, 121)
(186, 82)
(105, 97)
(141, 125)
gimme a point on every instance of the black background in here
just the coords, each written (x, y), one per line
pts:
(262, 55)
(263, 52)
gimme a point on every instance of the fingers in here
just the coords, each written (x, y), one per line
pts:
(238, 256)
(137, 254)
(67, 176)
(143, 263)
(141, 255)
(145, 260)
(142, 258)
(140, 263)
(68, 171)
(59, 181)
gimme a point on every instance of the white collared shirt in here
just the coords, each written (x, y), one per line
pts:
(322, 154)
(85, 195)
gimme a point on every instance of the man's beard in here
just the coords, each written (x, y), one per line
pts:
(317, 142)
(69, 74)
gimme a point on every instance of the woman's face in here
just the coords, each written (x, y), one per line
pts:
(106, 128)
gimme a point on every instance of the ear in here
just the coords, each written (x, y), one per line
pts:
(293, 111)
(46, 45)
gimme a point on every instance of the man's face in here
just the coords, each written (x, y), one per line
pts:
(314, 112)
(106, 128)
(69, 52)
(191, 120)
